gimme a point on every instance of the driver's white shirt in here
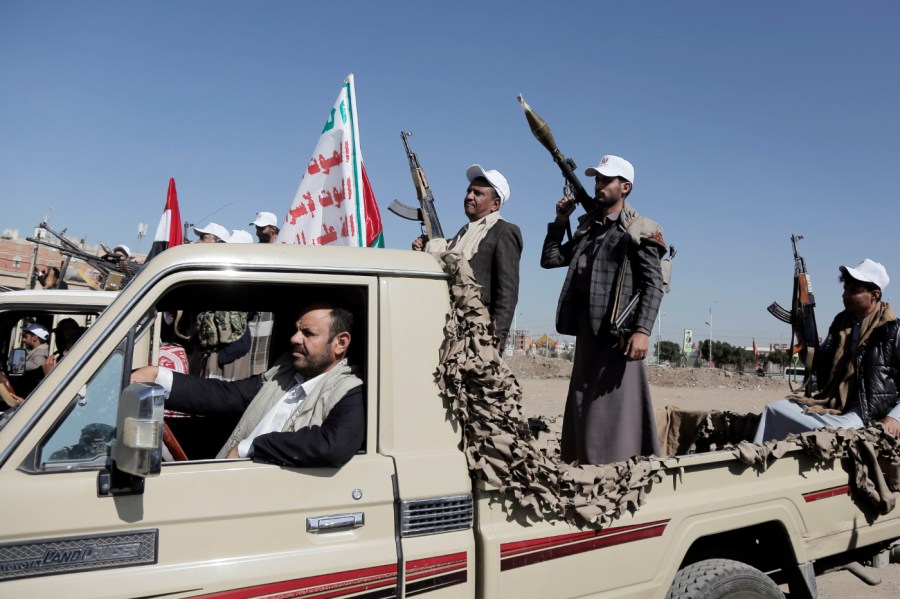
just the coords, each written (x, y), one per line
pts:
(274, 419)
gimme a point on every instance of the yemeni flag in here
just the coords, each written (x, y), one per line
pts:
(168, 233)
(334, 204)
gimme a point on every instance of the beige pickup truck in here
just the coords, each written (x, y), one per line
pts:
(91, 509)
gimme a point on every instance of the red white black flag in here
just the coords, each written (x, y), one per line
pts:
(168, 233)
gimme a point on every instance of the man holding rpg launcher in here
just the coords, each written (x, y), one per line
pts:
(614, 265)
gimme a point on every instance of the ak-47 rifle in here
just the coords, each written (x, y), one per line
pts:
(425, 214)
(801, 317)
(541, 131)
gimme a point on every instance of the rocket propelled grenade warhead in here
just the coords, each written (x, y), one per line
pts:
(541, 131)
(539, 127)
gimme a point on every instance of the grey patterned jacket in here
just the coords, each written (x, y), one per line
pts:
(639, 237)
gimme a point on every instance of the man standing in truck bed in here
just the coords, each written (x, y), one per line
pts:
(613, 255)
(492, 245)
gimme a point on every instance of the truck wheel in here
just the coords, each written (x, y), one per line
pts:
(720, 578)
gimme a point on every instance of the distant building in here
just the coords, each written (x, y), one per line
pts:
(520, 339)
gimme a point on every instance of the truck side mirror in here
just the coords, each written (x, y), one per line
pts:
(139, 430)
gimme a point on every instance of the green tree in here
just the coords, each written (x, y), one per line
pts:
(779, 357)
(668, 351)
(725, 353)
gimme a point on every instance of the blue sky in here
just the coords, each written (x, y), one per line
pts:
(746, 122)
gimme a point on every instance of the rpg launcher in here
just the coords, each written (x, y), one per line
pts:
(801, 317)
(426, 213)
(541, 131)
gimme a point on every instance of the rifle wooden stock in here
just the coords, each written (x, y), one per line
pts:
(803, 315)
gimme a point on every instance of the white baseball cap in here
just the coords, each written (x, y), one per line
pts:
(124, 248)
(612, 166)
(869, 271)
(213, 229)
(239, 236)
(265, 219)
(497, 181)
(37, 330)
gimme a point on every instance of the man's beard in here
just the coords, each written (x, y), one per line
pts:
(603, 200)
(312, 365)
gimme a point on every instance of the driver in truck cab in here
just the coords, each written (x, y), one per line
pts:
(308, 410)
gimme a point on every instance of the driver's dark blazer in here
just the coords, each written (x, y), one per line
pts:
(332, 445)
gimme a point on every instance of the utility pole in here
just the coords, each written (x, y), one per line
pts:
(142, 232)
(659, 316)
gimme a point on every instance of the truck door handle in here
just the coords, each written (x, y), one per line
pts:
(319, 524)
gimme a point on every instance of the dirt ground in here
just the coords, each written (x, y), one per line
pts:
(545, 383)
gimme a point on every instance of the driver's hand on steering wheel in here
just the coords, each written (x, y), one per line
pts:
(145, 374)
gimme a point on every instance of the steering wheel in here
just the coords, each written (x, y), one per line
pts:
(173, 445)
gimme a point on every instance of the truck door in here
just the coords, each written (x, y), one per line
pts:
(204, 527)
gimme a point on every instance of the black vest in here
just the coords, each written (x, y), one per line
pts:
(876, 370)
(877, 373)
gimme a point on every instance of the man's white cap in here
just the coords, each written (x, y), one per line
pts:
(493, 177)
(265, 219)
(612, 166)
(869, 271)
(38, 330)
(213, 229)
(240, 236)
(124, 248)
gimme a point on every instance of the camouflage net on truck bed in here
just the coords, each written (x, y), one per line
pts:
(871, 456)
(501, 451)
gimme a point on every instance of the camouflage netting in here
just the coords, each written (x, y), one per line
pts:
(502, 453)
(720, 429)
(486, 399)
(871, 456)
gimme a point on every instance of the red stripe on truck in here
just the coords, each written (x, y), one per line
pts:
(826, 493)
(325, 586)
(533, 551)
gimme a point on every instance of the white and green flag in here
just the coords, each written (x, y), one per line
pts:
(334, 204)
